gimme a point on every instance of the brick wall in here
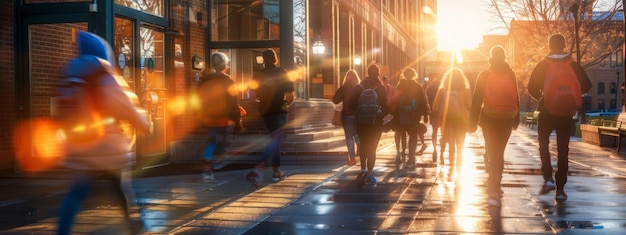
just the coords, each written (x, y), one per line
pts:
(7, 83)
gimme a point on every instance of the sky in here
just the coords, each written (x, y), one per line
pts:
(461, 23)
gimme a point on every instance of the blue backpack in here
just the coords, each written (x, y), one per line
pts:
(369, 110)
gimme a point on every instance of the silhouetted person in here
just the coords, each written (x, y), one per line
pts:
(557, 66)
(275, 93)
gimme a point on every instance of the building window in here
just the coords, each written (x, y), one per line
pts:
(601, 88)
(252, 21)
(601, 104)
(154, 7)
(612, 88)
(613, 105)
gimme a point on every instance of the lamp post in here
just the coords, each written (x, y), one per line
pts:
(574, 9)
(317, 83)
(616, 89)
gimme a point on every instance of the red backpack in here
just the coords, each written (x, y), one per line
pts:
(561, 89)
(500, 96)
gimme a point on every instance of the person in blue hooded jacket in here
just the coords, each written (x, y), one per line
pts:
(113, 154)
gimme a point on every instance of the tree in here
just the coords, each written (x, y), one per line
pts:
(531, 22)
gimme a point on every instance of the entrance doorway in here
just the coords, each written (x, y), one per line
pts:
(139, 49)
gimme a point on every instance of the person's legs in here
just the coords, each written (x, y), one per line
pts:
(563, 130)
(412, 132)
(545, 125)
(496, 137)
(349, 130)
(210, 153)
(81, 184)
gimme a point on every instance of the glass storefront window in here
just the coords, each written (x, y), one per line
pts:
(245, 62)
(123, 48)
(234, 21)
(154, 7)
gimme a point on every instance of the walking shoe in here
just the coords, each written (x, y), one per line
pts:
(369, 178)
(360, 178)
(351, 161)
(547, 187)
(493, 202)
(208, 176)
(218, 165)
(255, 177)
(421, 151)
(398, 159)
(278, 176)
(560, 196)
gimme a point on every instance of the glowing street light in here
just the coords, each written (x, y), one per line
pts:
(318, 47)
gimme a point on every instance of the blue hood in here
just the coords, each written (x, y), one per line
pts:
(91, 44)
(96, 56)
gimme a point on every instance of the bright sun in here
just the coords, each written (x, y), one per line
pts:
(460, 24)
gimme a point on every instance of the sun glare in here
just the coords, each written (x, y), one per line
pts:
(460, 24)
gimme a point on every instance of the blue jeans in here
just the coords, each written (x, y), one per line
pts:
(547, 123)
(218, 142)
(275, 124)
(349, 130)
(82, 181)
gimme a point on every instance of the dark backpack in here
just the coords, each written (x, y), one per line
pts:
(78, 115)
(368, 109)
(500, 96)
(561, 89)
(407, 111)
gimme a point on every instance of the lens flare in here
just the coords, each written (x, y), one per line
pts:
(38, 144)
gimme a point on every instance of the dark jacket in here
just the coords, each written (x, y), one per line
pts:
(477, 97)
(410, 89)
(273, 84)
(371, 82)
(342, 95)
(537, 78)
(217, 89)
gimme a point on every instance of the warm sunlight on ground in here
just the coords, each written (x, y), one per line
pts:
(461, 24)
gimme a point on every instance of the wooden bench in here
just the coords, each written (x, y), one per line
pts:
(616, 129)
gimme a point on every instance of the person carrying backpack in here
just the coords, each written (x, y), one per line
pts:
(495, 106)
(112, 155)
(558, 83)
(413, 105)
(219, 113)
(369, 102)
(452, 103)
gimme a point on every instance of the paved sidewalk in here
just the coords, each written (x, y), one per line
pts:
(322, 198)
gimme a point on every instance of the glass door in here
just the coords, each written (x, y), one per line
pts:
(140, 54)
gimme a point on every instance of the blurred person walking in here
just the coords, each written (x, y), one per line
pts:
(219, 112)
(495, 107)
(453, 102)
(413, 105)
(370, 102)
(111, 156)
(348, 115)
(557, 82)
(275, 93)
(434, 118)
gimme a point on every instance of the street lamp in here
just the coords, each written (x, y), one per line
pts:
(318, 47)
(357, 64)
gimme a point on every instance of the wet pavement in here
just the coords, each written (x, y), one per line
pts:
(323, 198)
